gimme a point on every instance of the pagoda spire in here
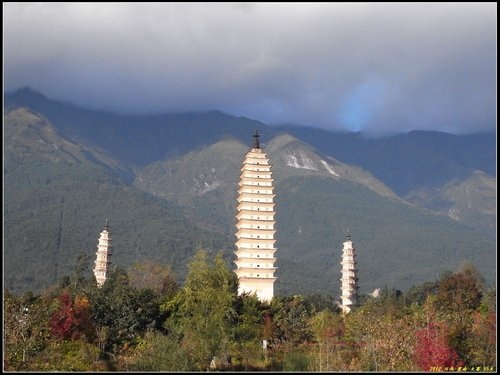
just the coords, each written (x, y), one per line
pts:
(256, 143)
(102, 256)
(349, 286)
(255, 226)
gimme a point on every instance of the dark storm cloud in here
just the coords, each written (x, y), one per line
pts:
(373, 67)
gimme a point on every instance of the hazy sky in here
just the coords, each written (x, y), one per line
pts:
(374, 67)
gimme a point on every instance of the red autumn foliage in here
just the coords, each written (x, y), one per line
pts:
(72, 320)
(433, 351)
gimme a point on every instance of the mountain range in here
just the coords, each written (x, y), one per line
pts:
(416, 204)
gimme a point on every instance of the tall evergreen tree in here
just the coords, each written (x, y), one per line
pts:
(203, 310)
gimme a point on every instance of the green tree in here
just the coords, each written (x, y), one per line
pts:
(459, 295)
(62, 355)
(386, 339)
(203, 310)
(122, 313)
(326, 328)
(159, 352)
(248, 334)
(78, 281)
(418, 294)
(26, 328)
(482, 340)
(290, 316)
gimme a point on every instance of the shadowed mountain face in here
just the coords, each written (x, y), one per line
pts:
(168, 184)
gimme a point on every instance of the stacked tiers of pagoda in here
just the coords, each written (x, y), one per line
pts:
(255, 245)
(349, 287)
(103, 254)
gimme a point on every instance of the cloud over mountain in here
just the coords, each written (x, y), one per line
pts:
(373, 67)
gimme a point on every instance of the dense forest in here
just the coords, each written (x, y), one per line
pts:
(142, 319)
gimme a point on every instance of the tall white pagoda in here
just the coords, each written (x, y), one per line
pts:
(102, 256)
(349, 287)
(255, 236)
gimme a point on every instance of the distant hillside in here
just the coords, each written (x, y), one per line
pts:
(203, 180)
(206, 180)
(294, 157)
(56, 199)
(318, 199)
(397, 246)
(471, 200)
(409, 161)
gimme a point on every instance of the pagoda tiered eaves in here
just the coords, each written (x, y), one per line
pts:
(348, 280)
(103, 253)
(255, 235)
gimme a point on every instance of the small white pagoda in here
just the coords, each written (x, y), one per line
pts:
(255, 226)
(349, 287)
(102, 256)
